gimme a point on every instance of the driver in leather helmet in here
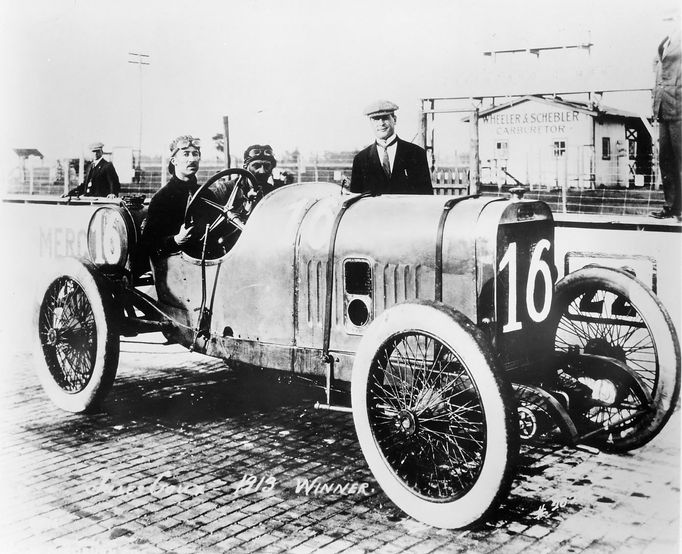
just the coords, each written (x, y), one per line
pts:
(166, 231)
(259, 160)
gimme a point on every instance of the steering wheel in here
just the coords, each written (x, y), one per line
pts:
(227, 212)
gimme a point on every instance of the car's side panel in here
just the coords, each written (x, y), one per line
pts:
(394, 237)
(400, 254)
(178, 281)
(460, 234)
(312, 251)
(300, 360)
(486, 262)
(257, 283)
(268, 296)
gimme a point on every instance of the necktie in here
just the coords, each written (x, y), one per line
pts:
(385, 162)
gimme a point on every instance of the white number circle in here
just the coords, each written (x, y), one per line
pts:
(107, 237)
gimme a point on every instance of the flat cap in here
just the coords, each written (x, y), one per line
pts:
(96, 146)
(380, 107)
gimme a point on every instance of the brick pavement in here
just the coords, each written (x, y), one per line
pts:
(165, 467)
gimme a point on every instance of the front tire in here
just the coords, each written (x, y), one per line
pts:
(76, 336)
(434, 418)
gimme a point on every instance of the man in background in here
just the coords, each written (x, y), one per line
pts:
(667, 107)
(389, 165)
(101, 179)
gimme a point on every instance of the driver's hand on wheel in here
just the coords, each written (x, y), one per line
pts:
(184, 235)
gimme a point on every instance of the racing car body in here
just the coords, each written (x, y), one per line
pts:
(374, 267)
(442, 314)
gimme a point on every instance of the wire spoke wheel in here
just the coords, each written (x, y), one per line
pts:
(618, 419)
(606, 323)
(427, 416)
(434, 418)
(77, 339)
(607, 312)
(68, 334)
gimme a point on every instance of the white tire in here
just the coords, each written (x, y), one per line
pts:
(435, 419)
(75, 335)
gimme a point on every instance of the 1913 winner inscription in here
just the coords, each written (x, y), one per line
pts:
(302, 485)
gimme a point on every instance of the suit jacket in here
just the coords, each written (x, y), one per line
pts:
(667, 91)
(410, 174)
(100, 180)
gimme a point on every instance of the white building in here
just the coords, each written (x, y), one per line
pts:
(552, 142)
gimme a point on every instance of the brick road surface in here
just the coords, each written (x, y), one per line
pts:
(163, 468)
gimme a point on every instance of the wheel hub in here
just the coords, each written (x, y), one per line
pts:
(407, 422)
(601, 347)
(528, 424)
(51, 336)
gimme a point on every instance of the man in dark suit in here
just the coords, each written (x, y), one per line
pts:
(667, 107)
(101, 179)
(390, 165)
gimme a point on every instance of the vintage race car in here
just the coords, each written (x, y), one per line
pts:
(439, 315)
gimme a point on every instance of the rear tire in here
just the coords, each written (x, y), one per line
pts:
(608, 312)
(76, 336)
(434, 418)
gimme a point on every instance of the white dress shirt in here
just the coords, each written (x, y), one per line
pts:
(381, 145)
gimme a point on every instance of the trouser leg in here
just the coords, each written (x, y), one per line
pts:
(670, 152)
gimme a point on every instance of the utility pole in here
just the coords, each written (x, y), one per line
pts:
(140, 60)
(226, 129)
(474, 154)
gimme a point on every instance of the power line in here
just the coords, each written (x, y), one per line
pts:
(536, 51)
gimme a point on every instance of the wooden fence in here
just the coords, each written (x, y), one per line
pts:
(450, 181)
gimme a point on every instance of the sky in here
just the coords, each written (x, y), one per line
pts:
(296, 73)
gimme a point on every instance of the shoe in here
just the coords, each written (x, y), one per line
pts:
(663, 214)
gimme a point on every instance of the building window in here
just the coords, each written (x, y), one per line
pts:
(631, 135)
(606, 148)
(502, 149)
(559, 148)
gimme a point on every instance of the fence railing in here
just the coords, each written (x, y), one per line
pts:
(578, 166)
(601, 201)
(449, 181)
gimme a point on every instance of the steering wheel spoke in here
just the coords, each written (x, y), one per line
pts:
(227, 212)
(213, 204)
